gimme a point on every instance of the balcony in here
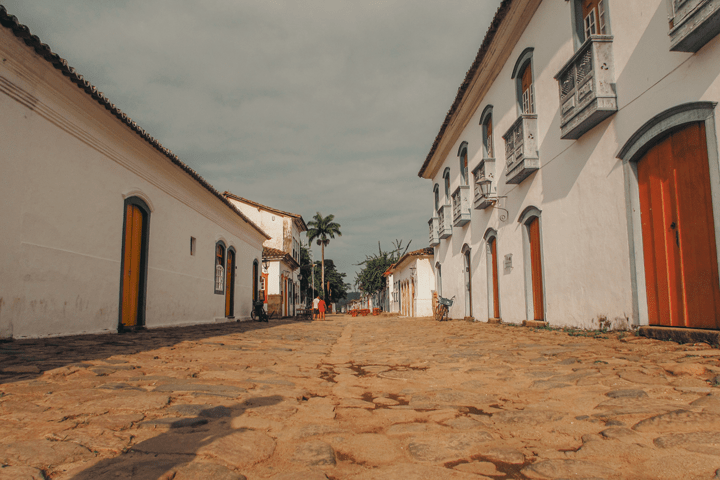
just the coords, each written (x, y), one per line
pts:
(693, 24)
(521, 154)
(587, 87)
(434, 236)
(485, 169)
(461, 205)
(444, 225)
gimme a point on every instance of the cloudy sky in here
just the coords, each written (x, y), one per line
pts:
(305, 106)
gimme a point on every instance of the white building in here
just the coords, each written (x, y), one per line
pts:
(281, 254)
(102, 228)
(592, 125)
(410, 284)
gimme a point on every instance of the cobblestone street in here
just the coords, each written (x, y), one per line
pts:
(359, 398)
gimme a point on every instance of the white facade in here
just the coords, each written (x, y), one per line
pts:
(69, 167)
(284, 229)
(411, 282)
(585, 190)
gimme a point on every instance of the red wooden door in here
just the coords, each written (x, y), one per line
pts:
(536, 267)
(681, 273)
(230, 284)
(132, 265)
(495, 289)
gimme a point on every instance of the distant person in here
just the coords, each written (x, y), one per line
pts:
(316, 307)
(321, 307)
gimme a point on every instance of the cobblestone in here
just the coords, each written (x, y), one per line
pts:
(358, 398)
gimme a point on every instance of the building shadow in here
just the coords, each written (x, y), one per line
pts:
(27, 359)
(180, 444)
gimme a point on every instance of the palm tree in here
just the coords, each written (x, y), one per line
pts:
(322, 230)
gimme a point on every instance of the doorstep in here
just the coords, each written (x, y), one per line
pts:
(494, 321)
(681, 335)
(534, 323)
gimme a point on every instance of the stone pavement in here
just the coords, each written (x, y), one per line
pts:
(358, 398)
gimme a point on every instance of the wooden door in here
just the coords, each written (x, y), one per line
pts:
(132, 265)
(230, 284)
(681, 273)
(495, 283)
(468, 285)
(593, 14)
(412, 298)
(536, 267)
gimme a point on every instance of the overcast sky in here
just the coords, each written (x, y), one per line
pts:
(305, 106)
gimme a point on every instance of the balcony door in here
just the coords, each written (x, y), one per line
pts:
(681, 269)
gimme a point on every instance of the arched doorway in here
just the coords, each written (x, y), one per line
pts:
(492, 275)
(255, 279)
(681, 272)
(671, 172)
(133, 281)
(230, 284)
(468, 281)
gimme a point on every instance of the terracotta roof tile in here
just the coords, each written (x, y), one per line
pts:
(500, 14)
(43, 50)
(265, 207)
(276, 254)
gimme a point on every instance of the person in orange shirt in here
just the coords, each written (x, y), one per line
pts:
(321, 308)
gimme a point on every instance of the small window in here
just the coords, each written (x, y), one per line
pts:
(436, 191)
(591, 18)
(193, 243)
(463, 154)
(446, 177)
(487, 132)
(219, 268)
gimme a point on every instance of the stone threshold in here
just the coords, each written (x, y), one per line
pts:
(534, 323)
(682, 335)
(494, 321)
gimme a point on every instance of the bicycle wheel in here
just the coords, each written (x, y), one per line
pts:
(252, 314)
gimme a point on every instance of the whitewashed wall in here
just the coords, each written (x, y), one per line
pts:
(68, 165)
(424, 283)
(580, 185)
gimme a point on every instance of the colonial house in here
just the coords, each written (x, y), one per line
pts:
(102, 228)
(280, 284)
(410, 284)
(575, 179)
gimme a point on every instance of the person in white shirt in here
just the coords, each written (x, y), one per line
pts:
(316, 306)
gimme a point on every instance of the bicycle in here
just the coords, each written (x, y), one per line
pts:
(258, 313)
(443, 308)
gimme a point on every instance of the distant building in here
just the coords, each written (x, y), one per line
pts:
(280, 288)
(410, 283)
(102, 228)
(575, 180)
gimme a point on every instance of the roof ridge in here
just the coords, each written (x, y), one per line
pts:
(21, 31)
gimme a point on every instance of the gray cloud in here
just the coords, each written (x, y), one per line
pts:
(308, 106)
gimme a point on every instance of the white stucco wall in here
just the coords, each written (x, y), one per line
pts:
(424, 283)
(580, 187)
(68, 165)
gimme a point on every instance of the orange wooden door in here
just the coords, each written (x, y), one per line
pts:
(681, 273)
(496, 290)
(230, 284)
(132, 265)
(536, 267)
